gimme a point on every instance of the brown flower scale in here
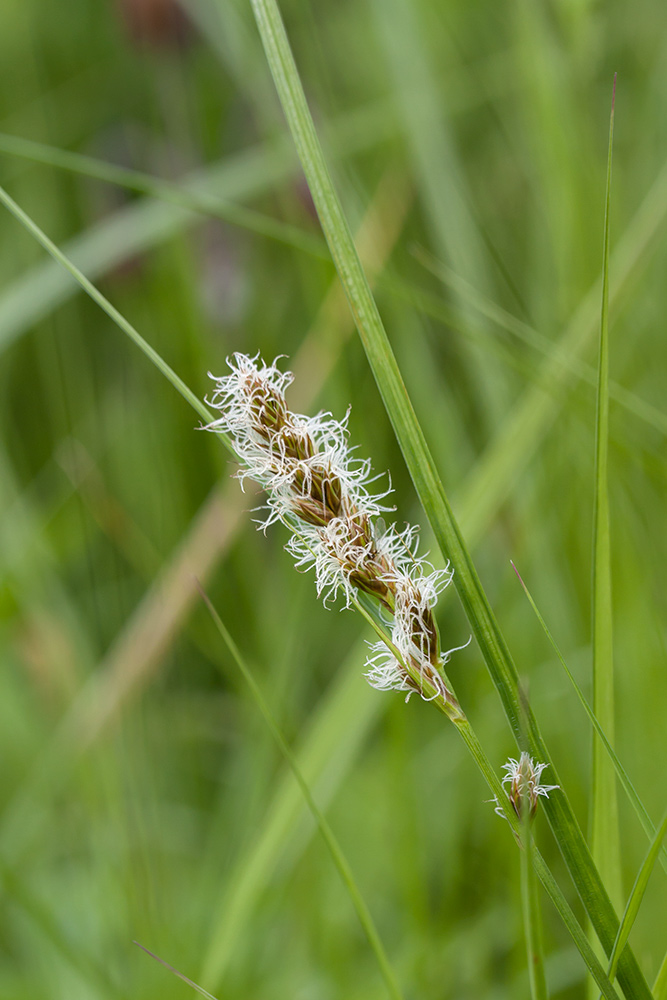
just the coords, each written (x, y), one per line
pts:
(317, 498)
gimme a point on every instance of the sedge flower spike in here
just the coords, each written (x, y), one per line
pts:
(523, 777)
(320, 490)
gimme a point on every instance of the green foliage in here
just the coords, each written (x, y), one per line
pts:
(142, 797)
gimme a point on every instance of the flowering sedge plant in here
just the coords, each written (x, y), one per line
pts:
(320, 490)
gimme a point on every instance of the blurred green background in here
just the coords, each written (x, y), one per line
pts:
(141, 796)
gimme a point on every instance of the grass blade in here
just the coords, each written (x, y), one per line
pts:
(127, 328)
(567, 916)
(635, 899)
(138, 227)
(328, 835)
(195, 986)
(425, 478)
(183, 195)
(605, 845)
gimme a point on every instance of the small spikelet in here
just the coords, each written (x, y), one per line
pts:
(523, 777)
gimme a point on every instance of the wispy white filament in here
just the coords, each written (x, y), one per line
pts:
(524, 779)
(321, 490)
(526, 773)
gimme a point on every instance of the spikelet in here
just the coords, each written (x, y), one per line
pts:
(320, 490)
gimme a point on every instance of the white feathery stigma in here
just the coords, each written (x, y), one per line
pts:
(320, 490)
(525, 787)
